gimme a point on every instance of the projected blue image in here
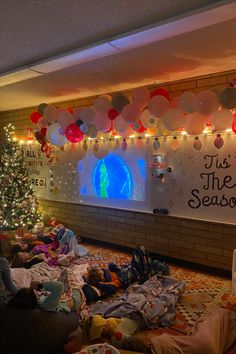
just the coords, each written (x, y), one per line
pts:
(112, 178)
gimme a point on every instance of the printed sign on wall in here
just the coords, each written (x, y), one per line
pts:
(200, 184)
(36, 162)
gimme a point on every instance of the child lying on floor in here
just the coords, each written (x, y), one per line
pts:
(27, 259)
(62, 295)
(101, 282)
(214, 334)
(150, 305)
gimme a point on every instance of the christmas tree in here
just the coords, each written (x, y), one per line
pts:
(18, 204)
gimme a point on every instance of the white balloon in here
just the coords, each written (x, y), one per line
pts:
(120, 124)
(222, 119)
(173, 119)
(187, 102)
(53, 135)
(148, 121)
(158, 106)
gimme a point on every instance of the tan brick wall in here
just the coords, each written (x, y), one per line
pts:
(202, 242)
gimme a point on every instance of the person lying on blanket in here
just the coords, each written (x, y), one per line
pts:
(51, 257)
(60, 238)
(101, 282)
(62, 295)
(149, 305)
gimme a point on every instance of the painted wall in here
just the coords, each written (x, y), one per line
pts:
(209, 243)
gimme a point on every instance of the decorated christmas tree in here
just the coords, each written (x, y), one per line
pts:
(18, 204)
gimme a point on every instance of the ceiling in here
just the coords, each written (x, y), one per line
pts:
(35, 31)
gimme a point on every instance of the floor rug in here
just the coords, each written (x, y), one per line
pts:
(203, 291)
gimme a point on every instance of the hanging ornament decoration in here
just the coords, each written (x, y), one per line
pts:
(85, 145)
(175, 143)
(197, 144)
(139, 143)
(219, 142)
(156, 144)
(96, 146)
(124, 145)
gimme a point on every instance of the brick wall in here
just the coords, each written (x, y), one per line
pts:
(202, 242)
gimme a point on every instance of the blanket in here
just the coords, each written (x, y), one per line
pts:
(151, 304)
(43, 272)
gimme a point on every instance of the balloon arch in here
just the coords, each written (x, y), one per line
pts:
(154, 114)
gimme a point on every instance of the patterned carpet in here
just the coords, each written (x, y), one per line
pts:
(203, 292)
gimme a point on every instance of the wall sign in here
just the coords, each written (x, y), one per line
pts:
(202, 184)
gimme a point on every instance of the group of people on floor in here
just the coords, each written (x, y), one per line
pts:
(148, 301)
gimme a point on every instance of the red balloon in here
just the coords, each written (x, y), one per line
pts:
(73, 133)
(112, 114)
(35, 116)
(142, 129)
(160, 92)
(43, 131)
(69, 109)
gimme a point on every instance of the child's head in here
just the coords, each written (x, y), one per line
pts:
(25, 298)
(95, 275)
(19, 259)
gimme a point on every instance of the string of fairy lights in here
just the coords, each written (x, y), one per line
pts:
(18, 205)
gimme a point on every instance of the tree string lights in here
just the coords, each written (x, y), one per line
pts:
(18, 205)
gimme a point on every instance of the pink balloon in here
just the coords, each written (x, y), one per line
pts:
(102, 122)
(207, 102)
(65, 118)
(73, 133)
(50, 113)
(158, 106)
(131, 113)
(42, 122)
(77, 113)
(173, 119)
(141, 97)
(102, 104)
(195, 123)
(87, 115)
